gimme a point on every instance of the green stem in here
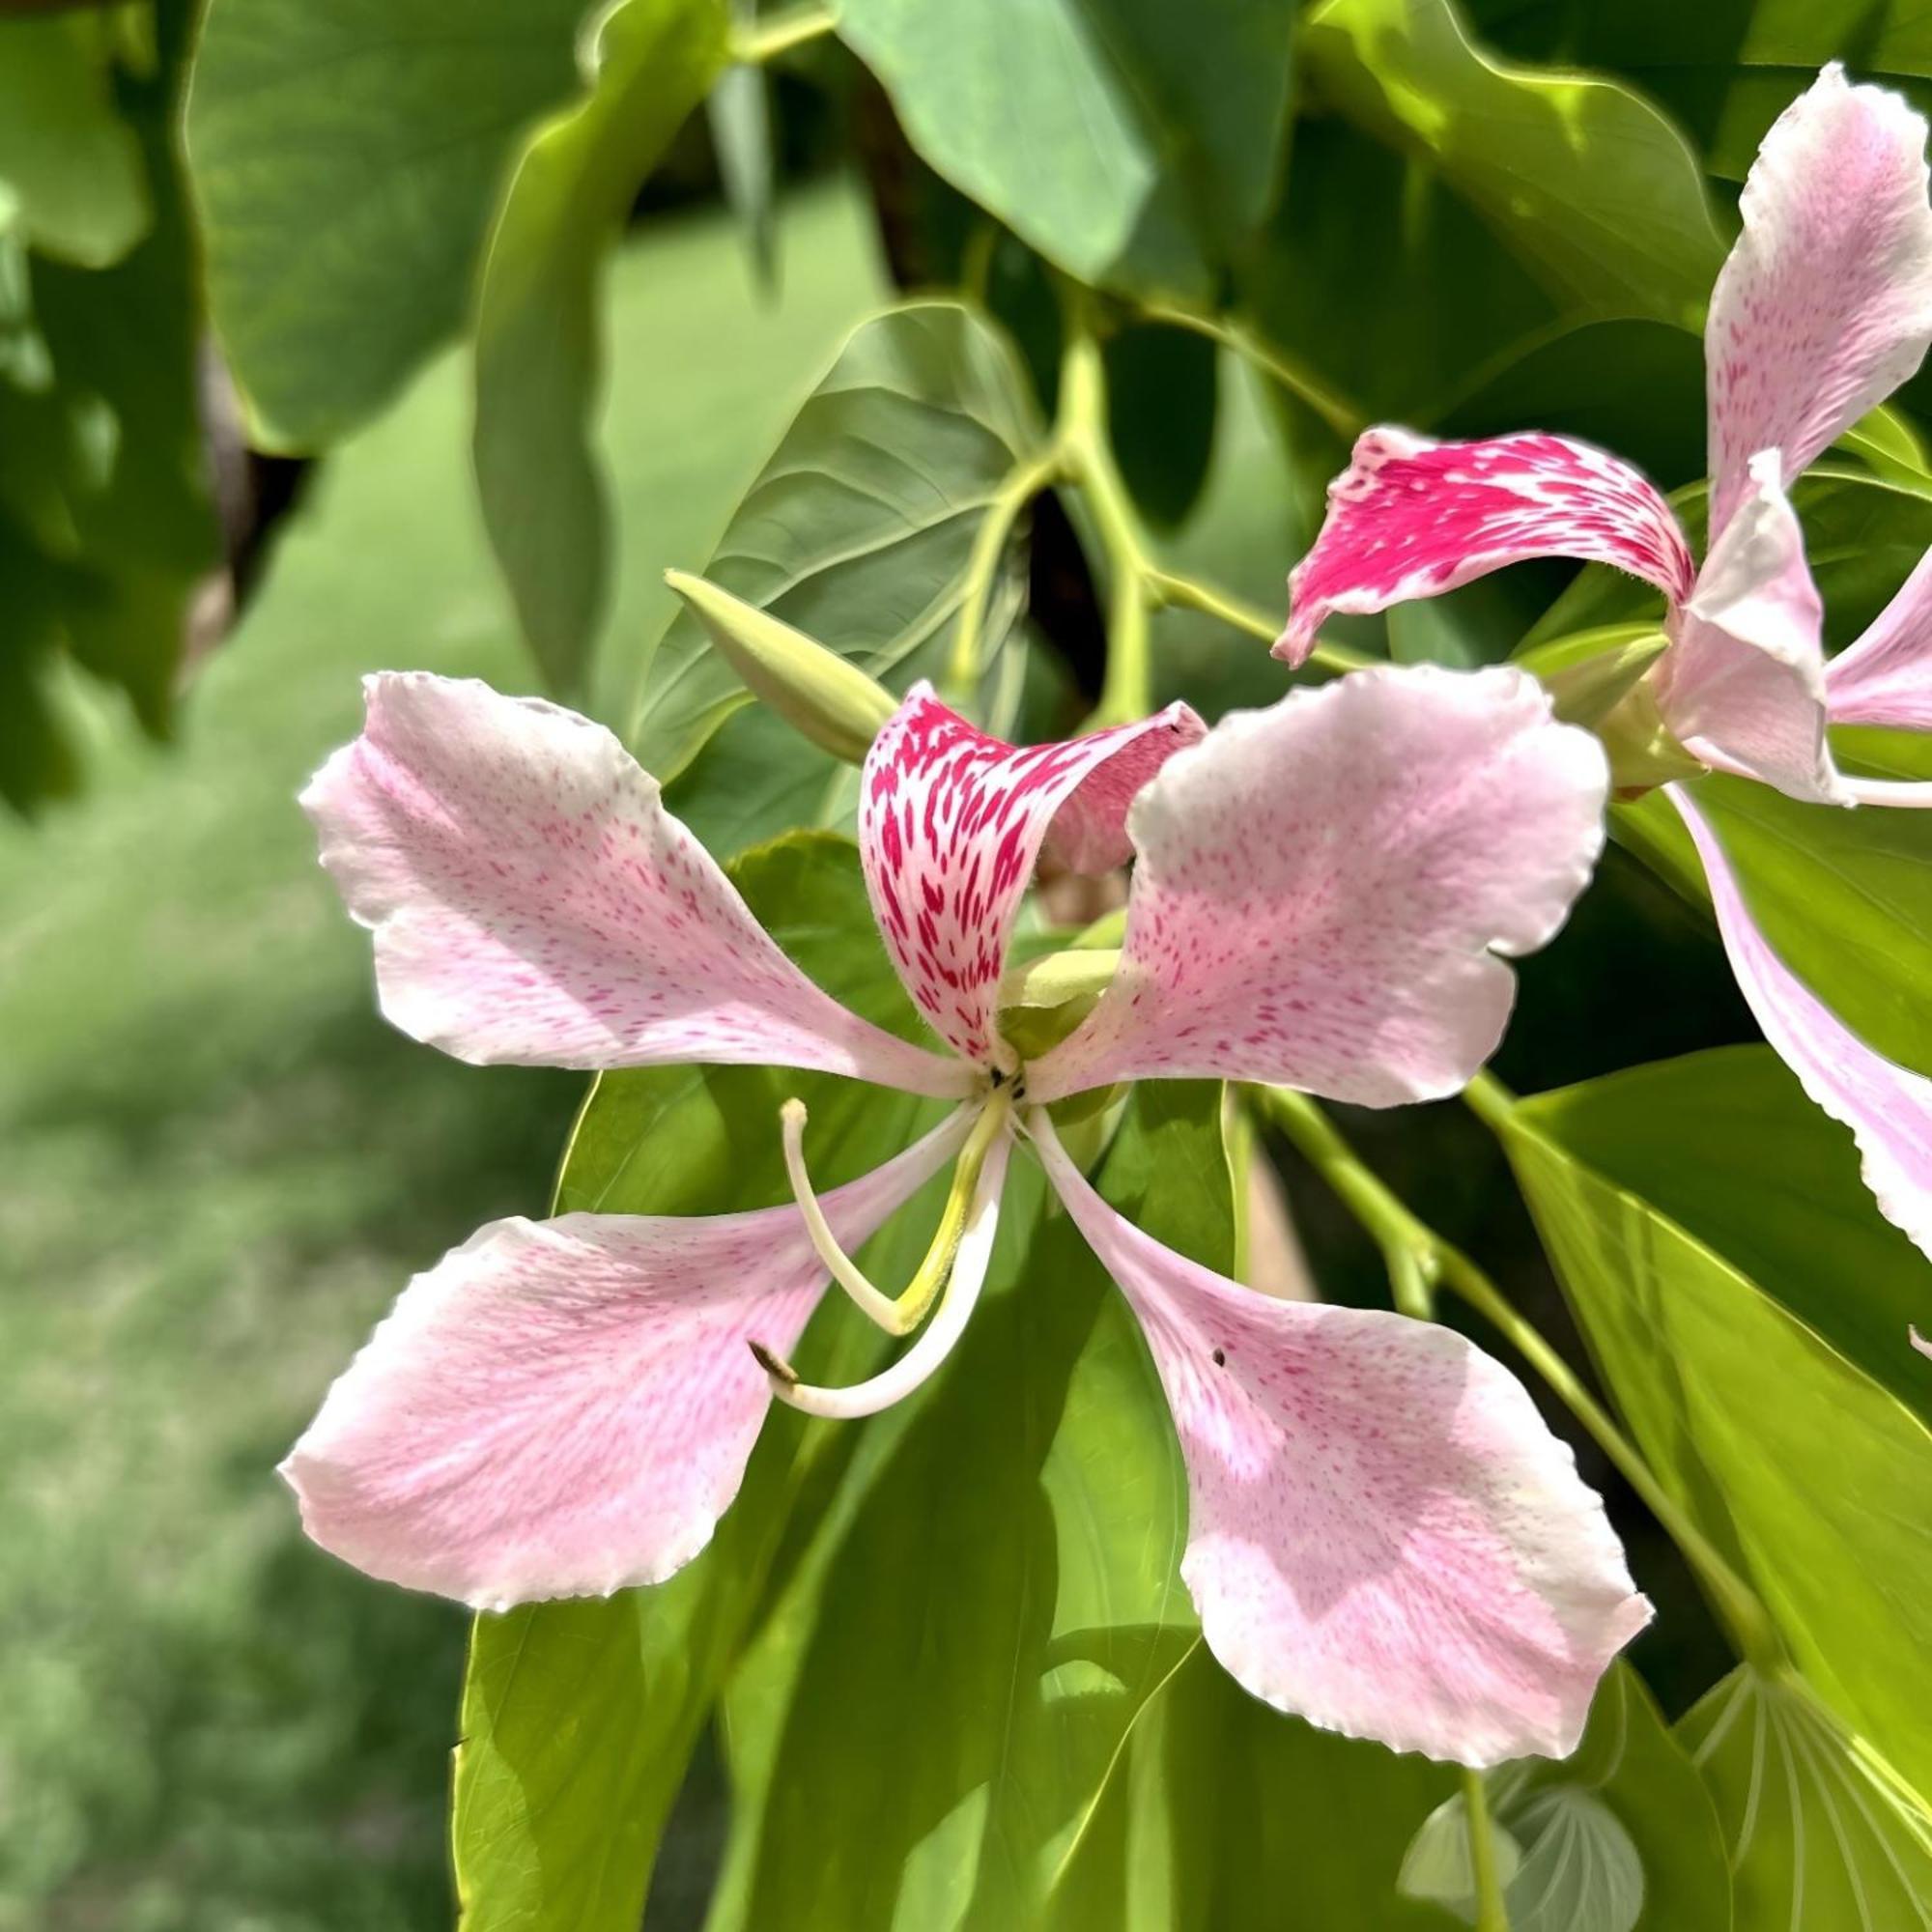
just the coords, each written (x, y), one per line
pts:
(1391, 1223)
(1490, 1100)
(1127, 692)
(781, 34)
(1335, 410)
(1022, 485)
(1491, 1914)
(1168, 587)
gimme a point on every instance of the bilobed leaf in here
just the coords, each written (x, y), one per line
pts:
(538, 351)
(1162, 387)
(858, 529)
(578, 1718)
(1820, 1834)
(1130, 141)
(72, 173)
(348, 156)
(1738, 1357)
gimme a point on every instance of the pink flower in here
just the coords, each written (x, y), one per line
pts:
(1823, 308)
(1383, 1535)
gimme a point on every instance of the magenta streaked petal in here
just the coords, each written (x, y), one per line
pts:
(1411, 517)
(534, 903)
(1825, 305)
(1888, 1107)
(1885, 677)
(1322, 889)
(1383, 1535)
(565, 1407)
(951, 822)
(1743, 684)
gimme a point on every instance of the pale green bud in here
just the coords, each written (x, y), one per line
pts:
(815, 691)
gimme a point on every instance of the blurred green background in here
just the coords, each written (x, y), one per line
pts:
(220, 1165)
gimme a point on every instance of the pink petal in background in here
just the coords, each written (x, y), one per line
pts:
(1411, 517)
(1825, 305)
(1888, 1107)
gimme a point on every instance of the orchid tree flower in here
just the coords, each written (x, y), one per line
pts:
(1383, 1537)
(1823, 308)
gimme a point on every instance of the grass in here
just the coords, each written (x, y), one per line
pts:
(220, 1167)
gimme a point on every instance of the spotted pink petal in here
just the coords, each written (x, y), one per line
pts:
(1411, 517)
(1384, 1536)
(1322, 888)
(1743, 684)
(1888, 1108)
(1825, 305)
(533, 903)
(950, 824)
(1885, 677)
(565, 1407)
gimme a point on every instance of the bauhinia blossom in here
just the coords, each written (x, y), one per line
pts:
(1383, 1535)
(1823, 308)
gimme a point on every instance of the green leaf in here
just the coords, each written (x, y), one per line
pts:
(72, 173)
(105, 519)
(1740, 1356)
(578, 1718)
(348, 156)
(1620, 1836)
(861, 528)
(1003, 1560)
(1594, 191)
(1821, 1835)
(1133, 143)
(739, 110)
(538, 354)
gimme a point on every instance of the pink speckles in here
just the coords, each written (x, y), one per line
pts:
(1411, 518)
(1323, 887)
(951, 822)
(1383, 1534)
(1825, 305)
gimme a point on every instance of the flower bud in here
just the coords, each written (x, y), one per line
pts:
(815, 691)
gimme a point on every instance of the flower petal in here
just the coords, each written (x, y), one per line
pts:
(1888, 1107)
(565, 1407)
(1384, 1536)
(950, 824)
(534, 903)
(1825, 305)
(1742, 683)
(1322, 888)
(1411, 518)
(1885, 677)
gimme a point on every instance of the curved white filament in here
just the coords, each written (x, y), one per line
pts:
(949, 1322)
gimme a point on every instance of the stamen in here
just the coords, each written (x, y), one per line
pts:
(968, 1275)
(896, 1315)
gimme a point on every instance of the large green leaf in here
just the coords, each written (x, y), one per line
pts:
(578, 1718)
(1589, 186)
(1820, 1834)
(538, 352)
(348, 156)
(72, 173)
(930, 1727)
(860, 529)
(1131, 142)
(1745, 1388)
